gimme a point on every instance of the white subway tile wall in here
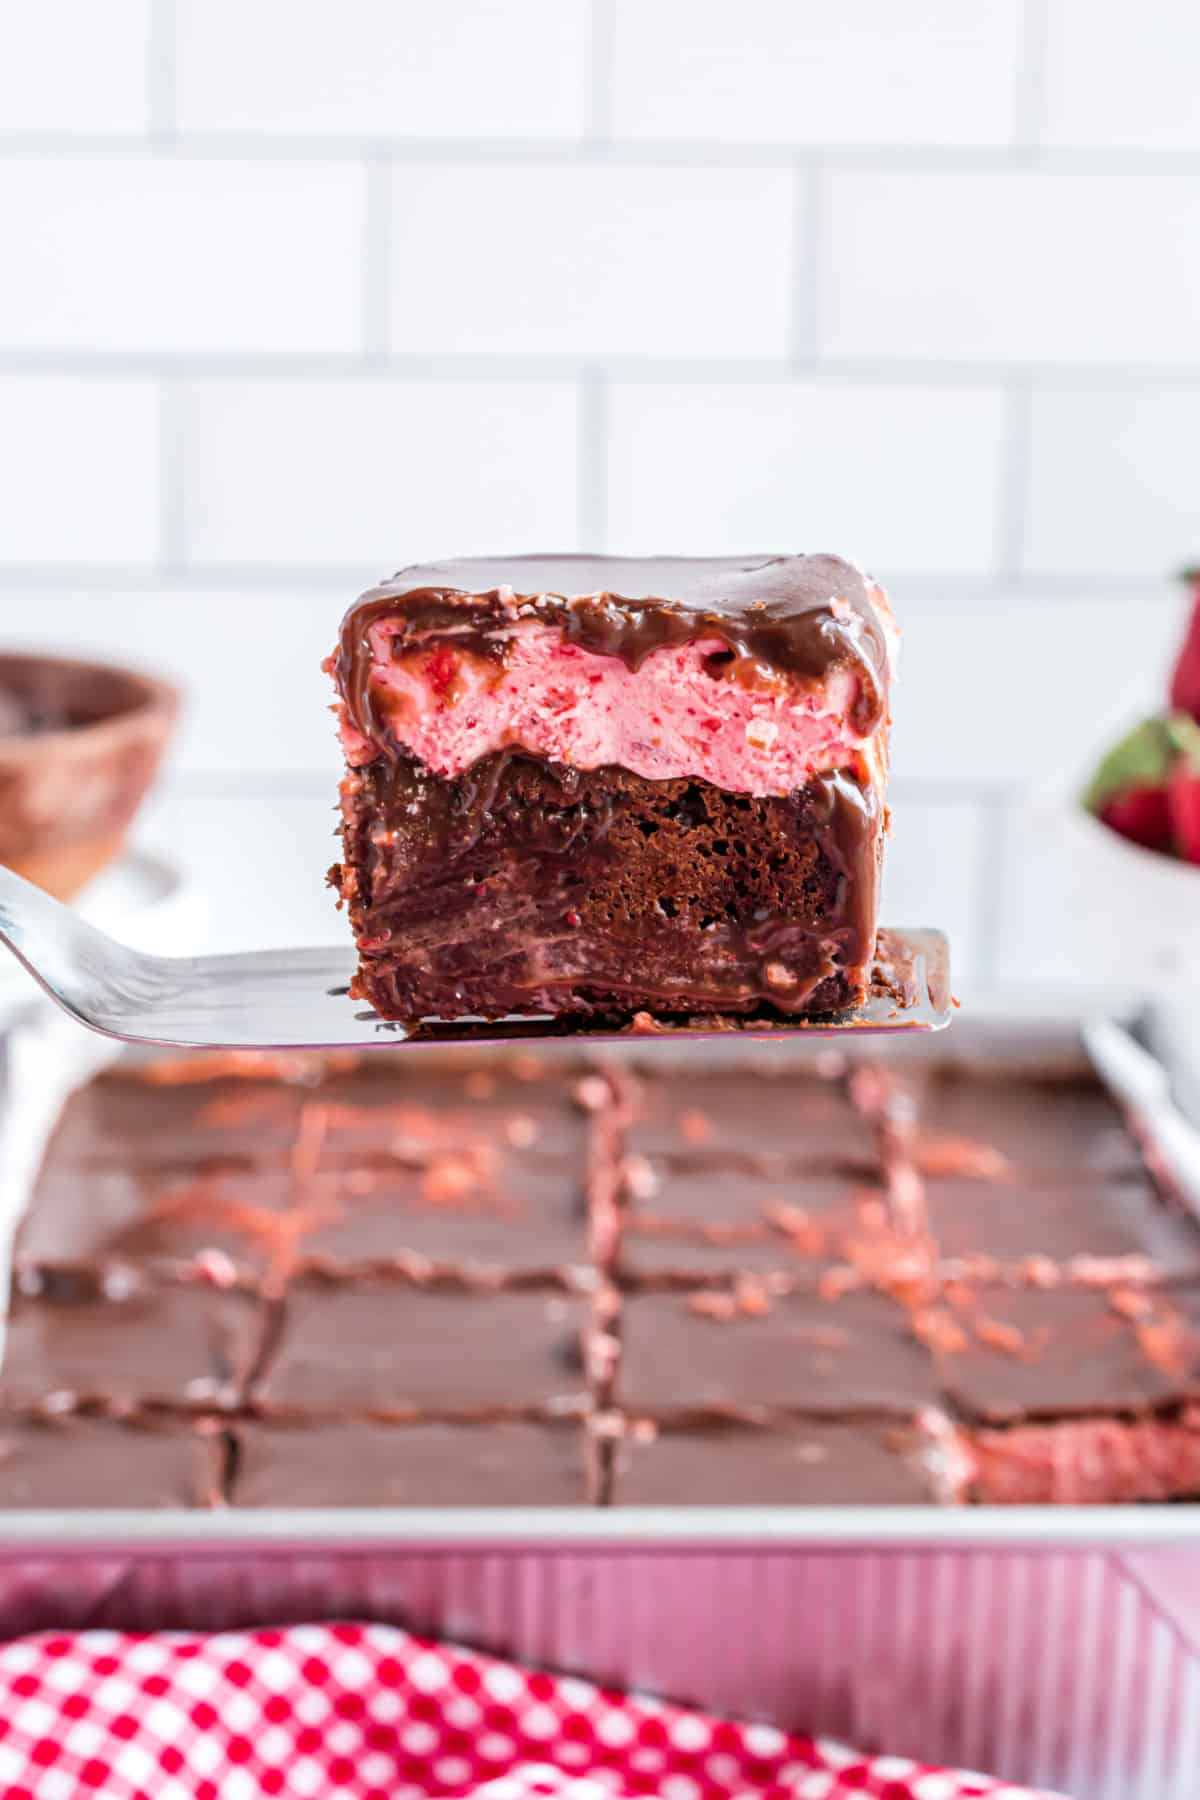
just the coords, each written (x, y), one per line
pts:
(337, 472)
(145, 255)
(297, 293)
(742, 456)
(1027, 267)
(70, 65)
(372, 69)
(80, 470)
(1111, 83)
(593, 259)
(863, 72)
(1113, 478)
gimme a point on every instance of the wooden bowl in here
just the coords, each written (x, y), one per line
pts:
(80, 744)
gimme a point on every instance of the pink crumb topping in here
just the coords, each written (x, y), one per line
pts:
(668, 719)
(1088, 1462)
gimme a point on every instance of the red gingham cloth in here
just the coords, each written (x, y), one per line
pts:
(369, 1712)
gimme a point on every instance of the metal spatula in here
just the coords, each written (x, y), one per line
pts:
(277, 999)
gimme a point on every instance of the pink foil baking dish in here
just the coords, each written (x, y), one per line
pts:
(1073, 1670)
(1055, 1647)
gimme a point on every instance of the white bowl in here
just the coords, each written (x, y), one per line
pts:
(1125, 920)
(1156, 896)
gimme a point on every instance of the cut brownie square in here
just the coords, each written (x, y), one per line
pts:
(704, 1224)
(530, 1219)
(770, 1119)
(1089, 1227)
(817, 1463)
(137, 1173)
(520, 1106)
(165, 1114)
(1022, 1129)
(389, 1348)
(744, 1170)
(138, 1117)
(114, 1338)
(589, 786)
(343, 1462)
(71, 1461)
(119, 1215)
(1026, 1353)
(155, 1172)
(743, 1354)
(351, 1166)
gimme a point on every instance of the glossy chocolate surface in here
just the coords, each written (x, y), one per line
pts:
(773, 612)
(80, 1464)
(115, 1338)
(790, 1353)
(362, 1462)
(814, 1464)
(395, 1349)
(532, 1280)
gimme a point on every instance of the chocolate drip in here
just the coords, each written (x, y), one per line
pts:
(778, 616)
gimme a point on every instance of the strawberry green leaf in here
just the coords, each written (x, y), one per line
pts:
(1142, 758)
(1184, 734)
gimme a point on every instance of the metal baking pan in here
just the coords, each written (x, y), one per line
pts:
(47, 1057)
(1062, 1670)
(1057, 1647)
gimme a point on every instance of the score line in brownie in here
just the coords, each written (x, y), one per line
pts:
(589, 786)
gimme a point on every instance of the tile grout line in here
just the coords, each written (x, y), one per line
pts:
(597, 73)
(593, 459)
(806, 275)
(1013, 499)
(1030, 86)
(172, 502)
(883, 158)
(377, 259)
(268, 365)
(161, 40)
(988, 882)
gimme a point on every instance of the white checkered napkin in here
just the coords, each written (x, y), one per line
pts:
(370, 1713)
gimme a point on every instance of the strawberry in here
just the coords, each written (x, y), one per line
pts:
(1129, 789)
(1185, 678)
(441, 672)
(1185, 810)
(1141, 814)
(1184, 788)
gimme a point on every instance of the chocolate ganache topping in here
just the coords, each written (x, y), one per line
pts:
(800, 617)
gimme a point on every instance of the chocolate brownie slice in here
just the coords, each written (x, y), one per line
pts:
(595, 786)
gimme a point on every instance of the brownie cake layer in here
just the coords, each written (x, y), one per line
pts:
(589, 786)
(524, 886)
(296, 1281)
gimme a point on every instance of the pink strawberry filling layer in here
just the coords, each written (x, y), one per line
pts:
(670, 718)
